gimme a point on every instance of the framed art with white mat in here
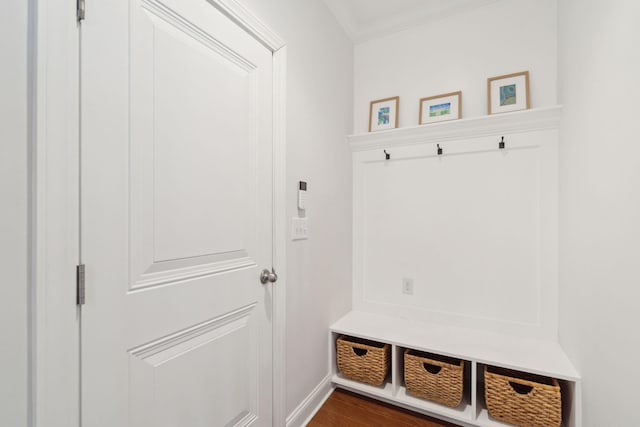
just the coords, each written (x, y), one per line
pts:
(508, 93)
(441, 108)
(383, 114)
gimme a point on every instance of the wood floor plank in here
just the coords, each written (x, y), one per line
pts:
(326, 418)
(371, 411)
(346, 409)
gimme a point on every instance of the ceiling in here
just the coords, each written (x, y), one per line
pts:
(368, 19)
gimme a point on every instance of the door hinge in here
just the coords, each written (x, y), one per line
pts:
(80, 10)
(80, 284)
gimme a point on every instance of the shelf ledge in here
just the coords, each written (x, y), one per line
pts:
(523, 354)
(506, 123)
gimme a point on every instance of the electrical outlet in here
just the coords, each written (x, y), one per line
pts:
(407, 286)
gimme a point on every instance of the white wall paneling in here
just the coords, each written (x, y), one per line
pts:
(475, 229)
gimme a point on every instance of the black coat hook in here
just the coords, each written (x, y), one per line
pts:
(387, 156)
(439, 150)
(501, 144)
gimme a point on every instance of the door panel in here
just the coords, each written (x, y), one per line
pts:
(176, 217)
(195, 362)
(192, 195)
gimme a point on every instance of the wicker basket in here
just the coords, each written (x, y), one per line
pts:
(521, 399)
(436, 378)
(363, 360)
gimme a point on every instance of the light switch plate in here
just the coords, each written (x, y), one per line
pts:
(299, 228)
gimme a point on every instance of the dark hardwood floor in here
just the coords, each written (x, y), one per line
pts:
(346, 409)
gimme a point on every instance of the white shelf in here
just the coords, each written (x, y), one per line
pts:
(515, 122)
(535, 356)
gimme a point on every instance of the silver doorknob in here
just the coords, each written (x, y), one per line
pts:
(268, 276)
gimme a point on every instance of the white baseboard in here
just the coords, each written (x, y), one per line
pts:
(301, 416)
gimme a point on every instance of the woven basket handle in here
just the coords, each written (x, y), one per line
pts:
(521, 388)
(432, 369)
(360, 352)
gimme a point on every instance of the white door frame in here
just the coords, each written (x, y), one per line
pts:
(56, 238)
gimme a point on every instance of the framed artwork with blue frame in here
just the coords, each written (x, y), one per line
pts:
(508, 93)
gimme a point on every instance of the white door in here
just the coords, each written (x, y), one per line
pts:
(176, 188)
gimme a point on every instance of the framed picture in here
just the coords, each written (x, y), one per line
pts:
(441, 108)
(508, 93)
(383, 114)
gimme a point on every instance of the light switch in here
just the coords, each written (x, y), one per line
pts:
(299, 228)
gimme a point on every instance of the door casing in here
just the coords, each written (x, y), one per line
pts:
(55, 230)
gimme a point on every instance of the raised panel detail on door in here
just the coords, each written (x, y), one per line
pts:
(188, 218)
(210, 362)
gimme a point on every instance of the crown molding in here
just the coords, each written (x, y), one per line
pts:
(402, 19)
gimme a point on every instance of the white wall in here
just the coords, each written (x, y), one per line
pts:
(599, 65)
(459, 53)
(319, 106)
(13, 213)
(474, 229)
